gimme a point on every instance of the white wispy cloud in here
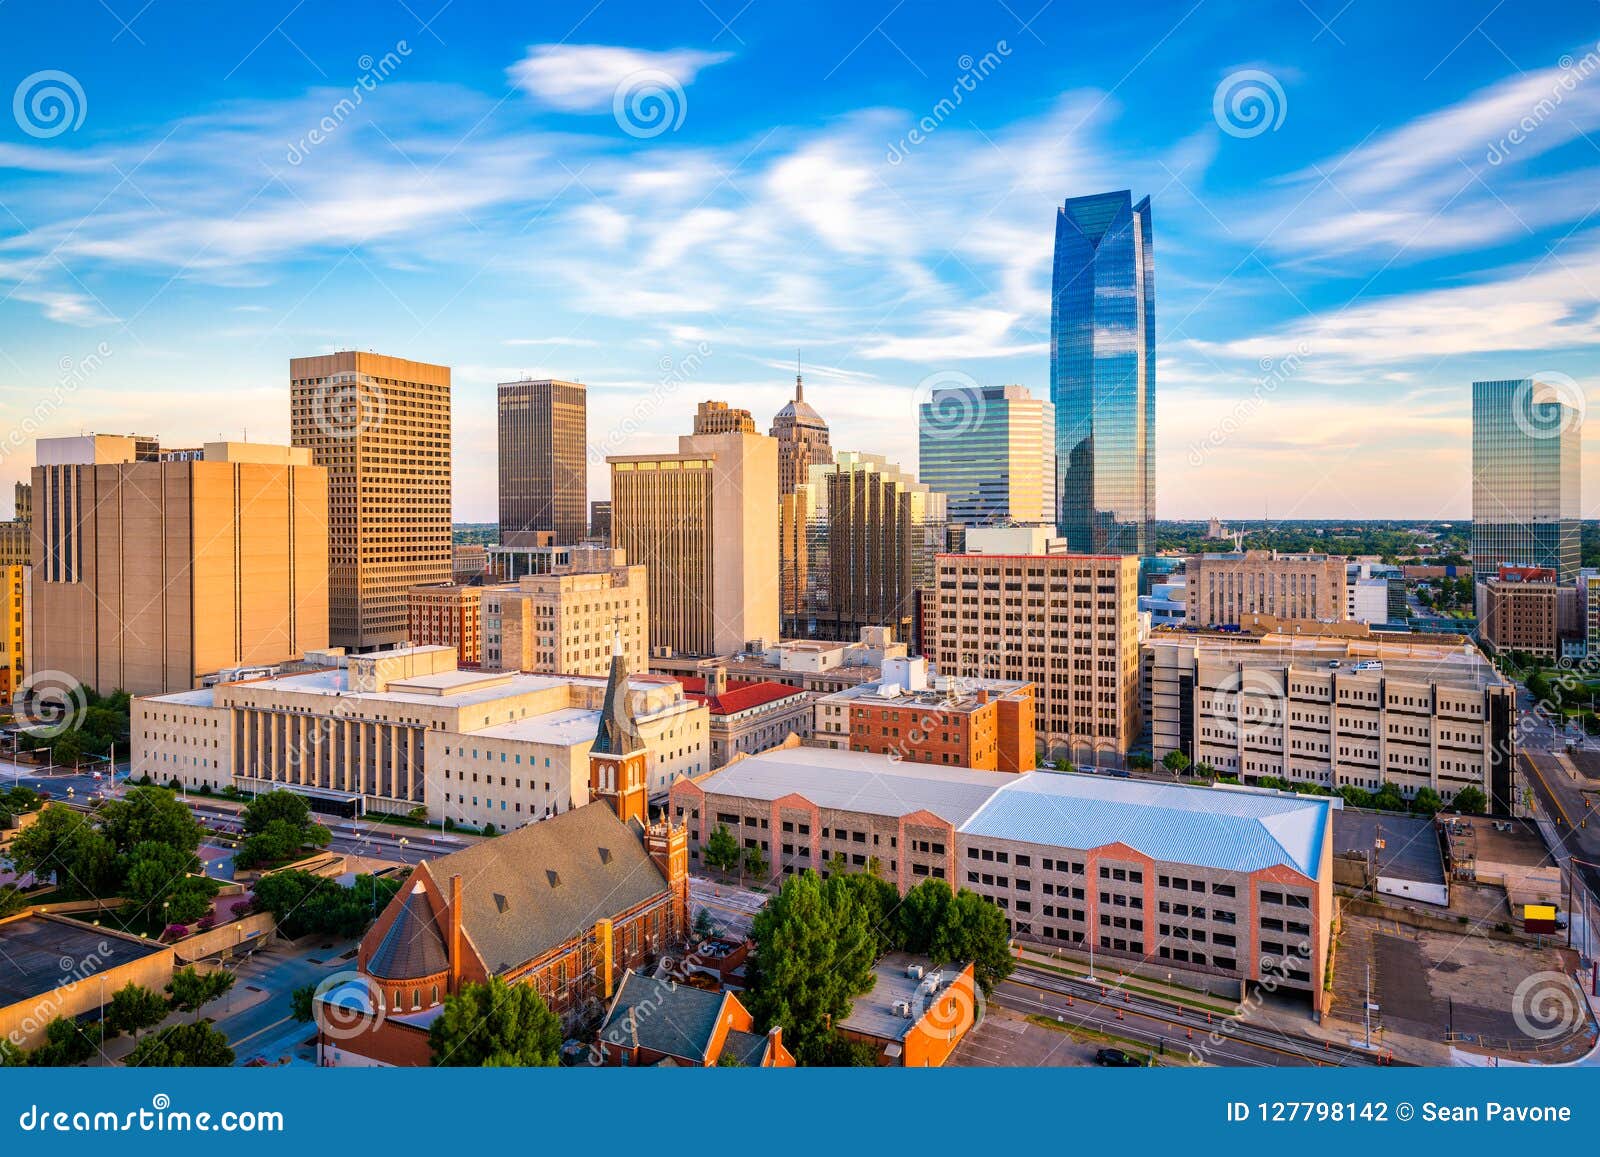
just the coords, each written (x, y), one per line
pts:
(585, 77)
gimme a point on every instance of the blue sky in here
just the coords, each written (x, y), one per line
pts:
(1403, 198)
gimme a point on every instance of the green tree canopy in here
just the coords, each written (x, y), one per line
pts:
(815, 947)
(148, 814)
(133, 1009)
(1470, 801)
(191, 990)
(495, 1025)
(721, 849)
(63, 844)
(1426, 802)
(188, 1046)
(65, 1044)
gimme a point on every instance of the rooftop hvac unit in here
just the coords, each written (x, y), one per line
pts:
(914, 971)
(903, 1008)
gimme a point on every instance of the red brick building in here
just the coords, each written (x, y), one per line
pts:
(653, 1022)
(568, 905)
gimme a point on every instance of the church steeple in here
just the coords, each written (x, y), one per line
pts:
(618, 760)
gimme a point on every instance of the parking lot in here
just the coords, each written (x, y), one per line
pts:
(1006, 1039)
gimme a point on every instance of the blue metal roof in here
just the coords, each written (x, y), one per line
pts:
(1237, 831)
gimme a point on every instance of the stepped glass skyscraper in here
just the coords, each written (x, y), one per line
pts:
(991, 451)
(1103, 374)
(1525, 475)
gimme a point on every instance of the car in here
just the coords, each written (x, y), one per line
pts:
(1117, 1059)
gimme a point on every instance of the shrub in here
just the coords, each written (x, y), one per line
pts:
(175, 932)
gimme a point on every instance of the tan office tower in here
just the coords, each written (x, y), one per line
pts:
(1225, 589)
(802, 440)
(154, 574)
(721, 418)
(381, 427)
(702, 523)
(872, 532)
(1016, 606)
(544, 481)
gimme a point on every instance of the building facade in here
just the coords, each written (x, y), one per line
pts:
(1103, 374)
(389, 732)
(449, 615)
(566, 622)
(153, 574)
(544, 478)
(1526, 475)
(600, 521)
(701, 524)
(1070, 859)
(986, 724)
(1359, 712)
(991, 451)
(380, 426)
(1225, 589)
(712, 417)
(1018, 607)
(748, 715)
(1525, 609)
(14, 583)
(872, 532)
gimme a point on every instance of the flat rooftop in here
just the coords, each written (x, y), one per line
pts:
(874, 1013)
(1410, 851)
(42, 954)
(1418, 662)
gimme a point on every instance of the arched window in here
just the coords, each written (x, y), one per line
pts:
(436, 994)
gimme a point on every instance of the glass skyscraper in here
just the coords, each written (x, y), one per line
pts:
(1103, 374)
(1526, 509)
(991, 451)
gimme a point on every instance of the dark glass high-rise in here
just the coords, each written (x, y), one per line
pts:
(1103, 374)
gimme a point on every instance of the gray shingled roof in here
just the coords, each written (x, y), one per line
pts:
(534, 888)
(662, 1016)
(745, 1047)
(414, 946)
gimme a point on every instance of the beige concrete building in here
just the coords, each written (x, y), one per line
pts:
(720, 418)
(395, 730)
(1017, 606)
(748, 715)
(448, 615)
(814, 665)
(702, 523)
(1336, 711)
(153, 574)
(566, 622)
(469, 561)
(544, 470)
(1070, 859)
(381, 427)
(1223, 588)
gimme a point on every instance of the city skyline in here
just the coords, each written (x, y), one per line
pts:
(1316, 268)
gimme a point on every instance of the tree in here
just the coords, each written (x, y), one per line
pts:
(1389, 799)
(63, 844)
(148, 814)
(722, 850)
(279, 840)
(704, 926)
(65, 1044)
(1139, 761)
(301, 902)
(133, 1009)
(1175, 761)
(191, 990)
(1356, 796)
(815, 946)
(490, 831)
(277, 825)
(755, 863)
(495, 1025)
(11, 1057)
(288, 806)
(12, 900)
(1426, 802)
(923, 910)
(301, 1002)
(189, 1046)
(154, 871)
(1471, 801)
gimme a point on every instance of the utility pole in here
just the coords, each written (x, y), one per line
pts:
(1367, 1007)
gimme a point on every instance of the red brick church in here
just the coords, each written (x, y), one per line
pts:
(568, 905)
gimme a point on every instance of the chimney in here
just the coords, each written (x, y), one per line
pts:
(716, 681)
(775, 1041)
(983, 694)
(455, 934)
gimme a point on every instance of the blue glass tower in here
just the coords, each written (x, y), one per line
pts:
(1103, 374)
